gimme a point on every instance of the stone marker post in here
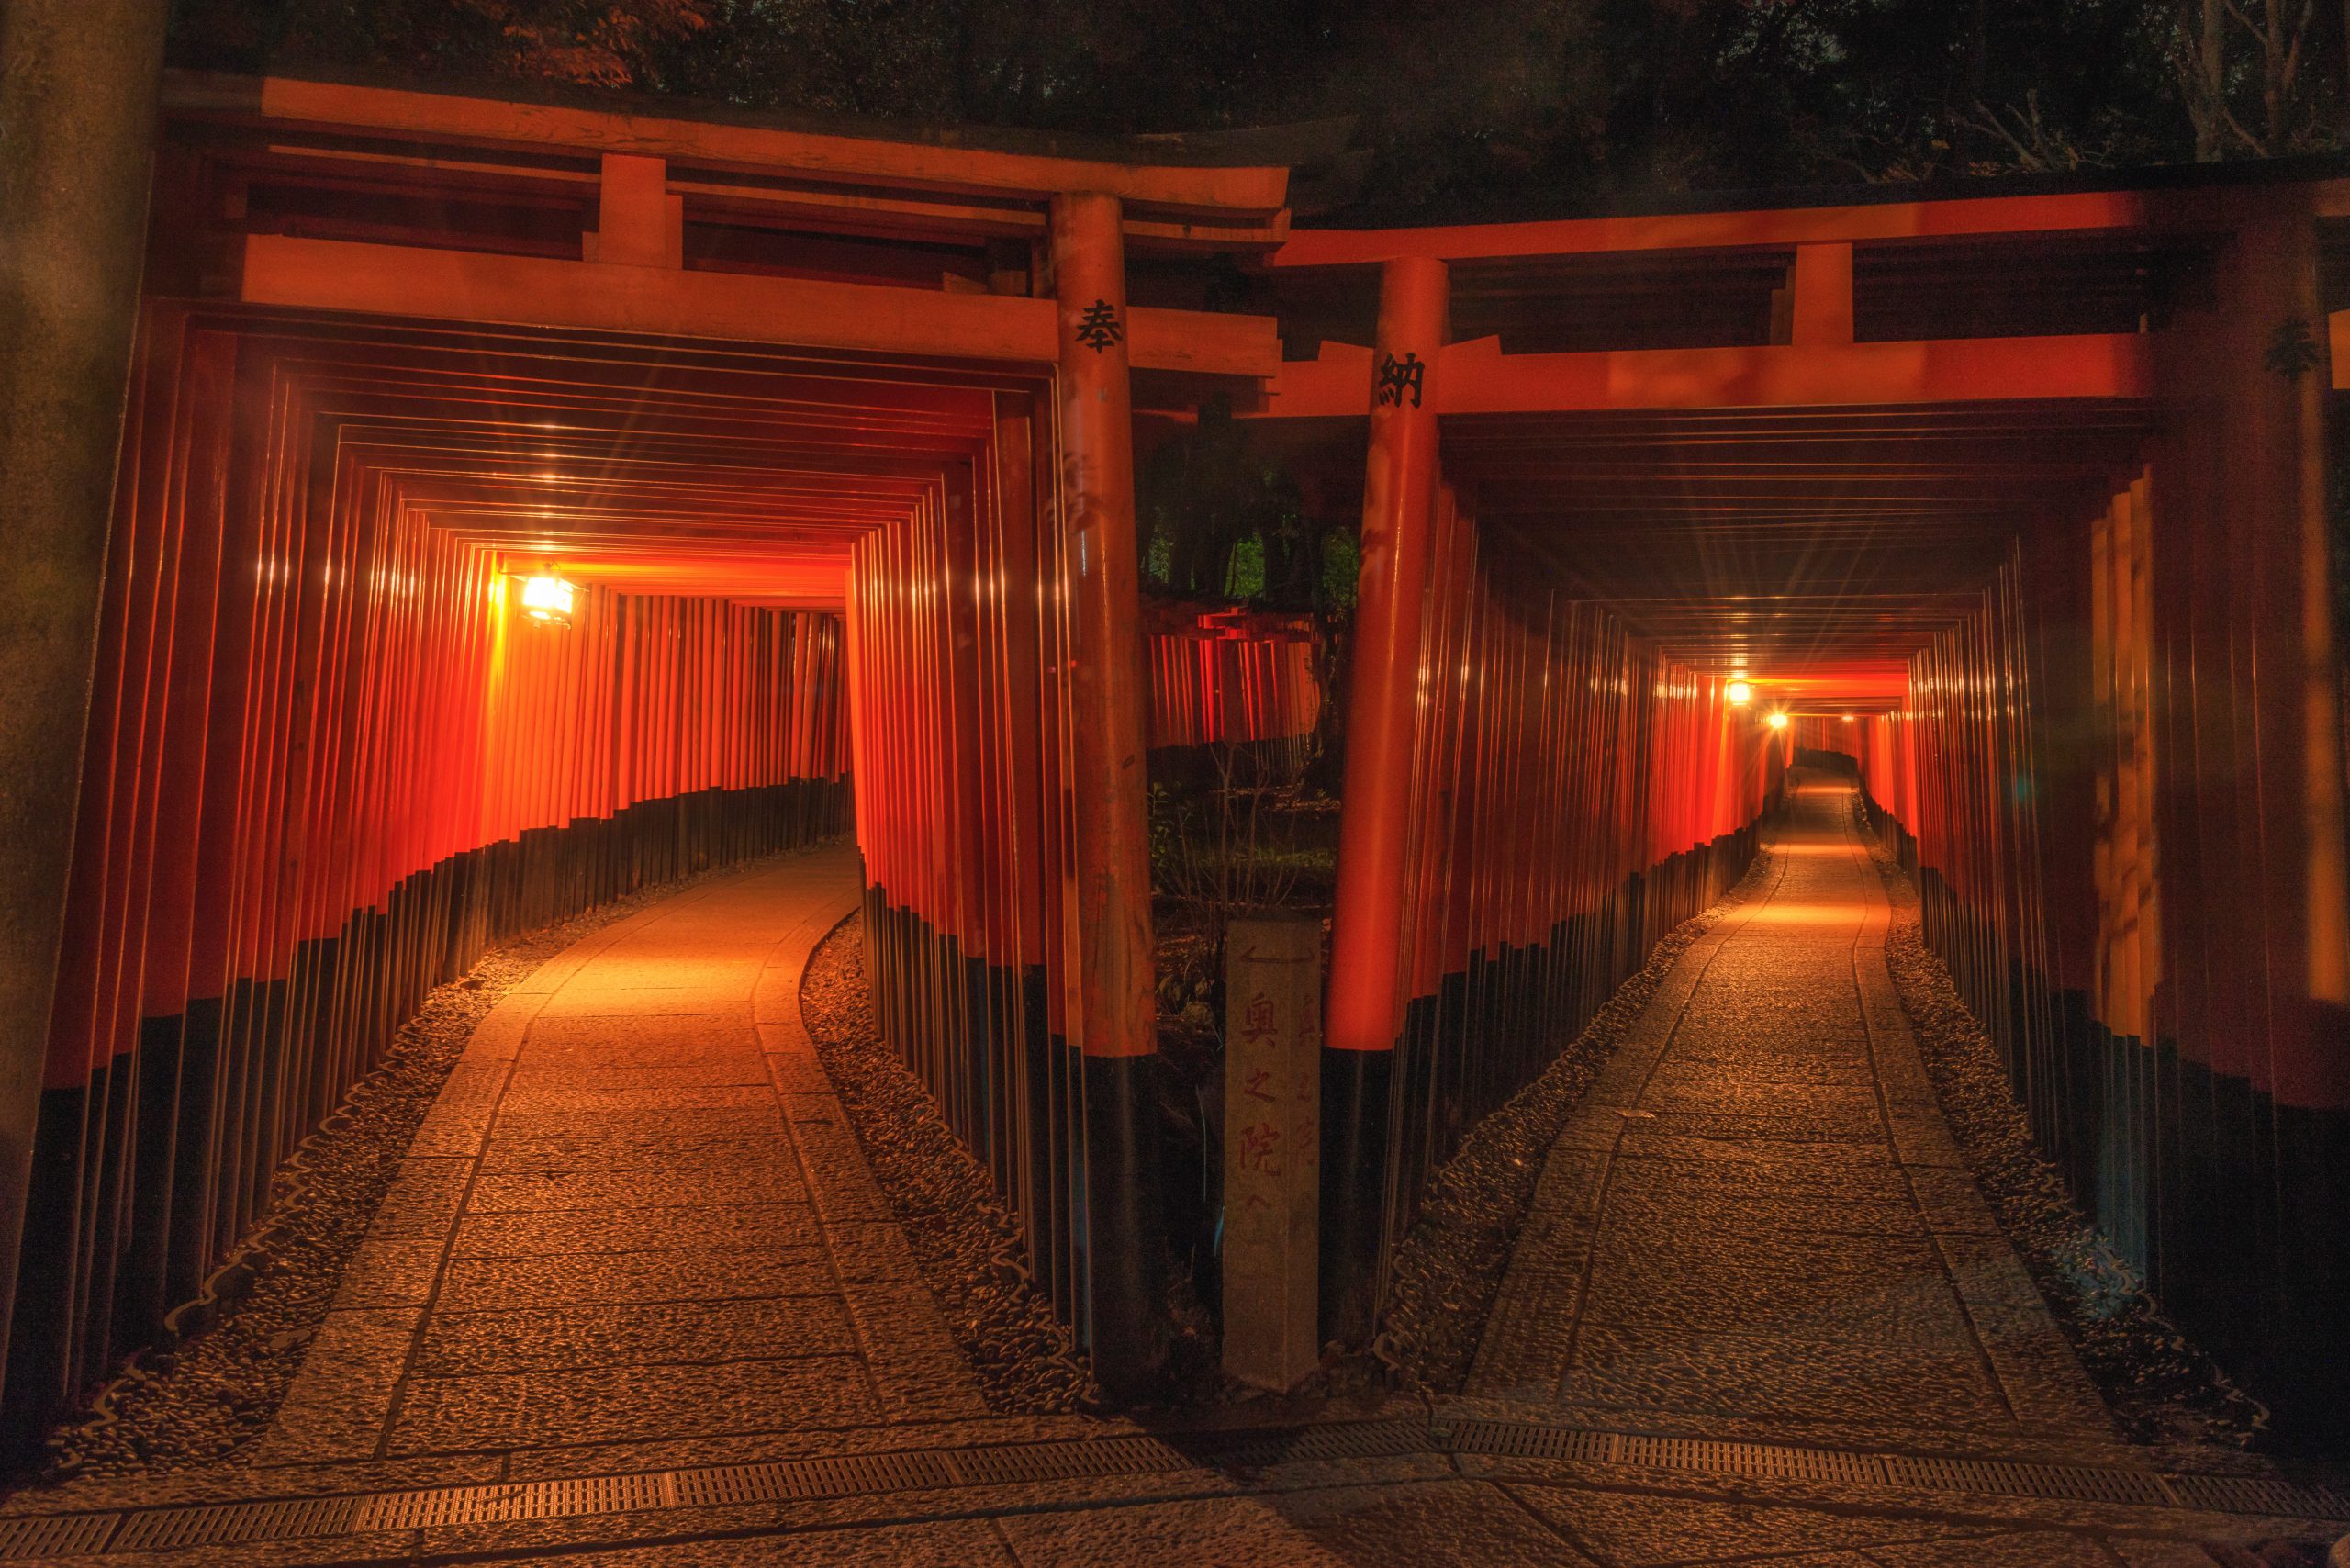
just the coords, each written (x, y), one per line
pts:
(1272, 1146)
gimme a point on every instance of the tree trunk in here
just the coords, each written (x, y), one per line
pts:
(2202, 64)
(78, 83)
(2274, 87)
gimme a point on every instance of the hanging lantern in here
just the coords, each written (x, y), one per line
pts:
(548, 599)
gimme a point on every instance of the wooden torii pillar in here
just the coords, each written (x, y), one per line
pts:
(1383, 709)
(1124, 1238)
(2274, 527)
(2247, 965)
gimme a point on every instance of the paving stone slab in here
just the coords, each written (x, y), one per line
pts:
(1758, 1213)
(486, 1284)
(551, 1338)
(612, 1404)
(782, 1225)
(345, 1394)
(945, 1543)
(624, 1222)
(594, 1039)
(392, 1272)
(1777, 1377)
(734, 1068)
(723, 1153)
(621, 1004)
(523, 1187)
(1639, 1529)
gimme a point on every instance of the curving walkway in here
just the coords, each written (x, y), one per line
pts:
(635, 1303)
(635, 1215)
(1757, 1218)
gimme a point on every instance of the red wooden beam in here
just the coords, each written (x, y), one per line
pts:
(280, 101)
(1480, 380)
(467, 286)
(1718, 230)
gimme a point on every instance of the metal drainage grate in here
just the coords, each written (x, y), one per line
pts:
(1063, 1462)
(214, 1523)
(2254, 1494)
(840, 1475)
(1513, 1439)
(848, 1476)
(522, 1500)
(56, 1535)
(1731, 1458)
(1996, 1477)
(2013, 1478)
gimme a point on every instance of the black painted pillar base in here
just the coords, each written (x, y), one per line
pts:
(1125, 1233)
(1357, 1126)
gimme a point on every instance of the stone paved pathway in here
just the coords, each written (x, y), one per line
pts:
(635, 1213)
(1757, 1216)
(635, 1240)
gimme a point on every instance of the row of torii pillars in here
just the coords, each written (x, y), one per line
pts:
(77, 115)
(76, 152)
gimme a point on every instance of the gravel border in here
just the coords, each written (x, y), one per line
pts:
(202, 1401)
(963, 1238)
(2160, 1387)
(1449, 1270)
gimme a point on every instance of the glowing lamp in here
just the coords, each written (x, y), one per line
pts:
(1741, 694)
(548, 599)
(1848, 718)
(1778, 721)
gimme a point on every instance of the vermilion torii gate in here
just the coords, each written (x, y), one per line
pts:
(838, 432)
(1900, 482)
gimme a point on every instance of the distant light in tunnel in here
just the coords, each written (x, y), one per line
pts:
(548, 599)
(1848, 718)
(1778, 721)
(1741, 694)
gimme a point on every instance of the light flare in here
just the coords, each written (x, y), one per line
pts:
(548, 599)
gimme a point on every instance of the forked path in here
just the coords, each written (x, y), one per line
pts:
(1757, 1219)
(635, 1303)
(636, 1213)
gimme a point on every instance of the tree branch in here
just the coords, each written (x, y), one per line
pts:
(2246, 23)
(2228, 115)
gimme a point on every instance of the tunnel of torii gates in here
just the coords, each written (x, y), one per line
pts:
(2019, 499)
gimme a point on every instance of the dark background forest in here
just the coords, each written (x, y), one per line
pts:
(1485, 108)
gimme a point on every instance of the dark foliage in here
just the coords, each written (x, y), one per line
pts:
(1483, 108)
(1219, 518)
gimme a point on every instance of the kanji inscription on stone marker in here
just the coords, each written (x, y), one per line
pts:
(1271, 1148)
